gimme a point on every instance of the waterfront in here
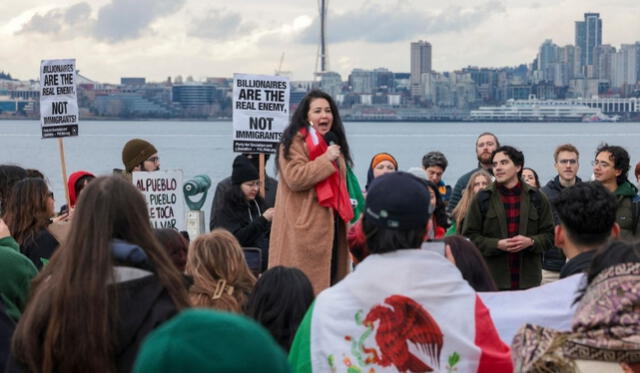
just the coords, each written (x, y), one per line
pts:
(205, 147)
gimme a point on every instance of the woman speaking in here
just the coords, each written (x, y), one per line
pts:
(312, 203)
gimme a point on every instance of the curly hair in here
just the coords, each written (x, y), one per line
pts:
(587, 211)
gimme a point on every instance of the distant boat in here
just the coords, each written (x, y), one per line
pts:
(533, 110)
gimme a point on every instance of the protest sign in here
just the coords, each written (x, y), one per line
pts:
(260, 112)
(58, 99)
(165, 199)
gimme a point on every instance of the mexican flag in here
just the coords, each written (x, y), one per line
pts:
(404, 311)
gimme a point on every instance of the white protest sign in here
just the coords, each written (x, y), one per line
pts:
(58, 99)
(163, 192)
(260, 112)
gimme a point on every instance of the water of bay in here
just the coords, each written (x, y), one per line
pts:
(206, 148)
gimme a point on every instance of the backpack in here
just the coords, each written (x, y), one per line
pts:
(635, 214)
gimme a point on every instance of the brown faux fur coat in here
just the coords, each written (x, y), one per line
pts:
(302, 231)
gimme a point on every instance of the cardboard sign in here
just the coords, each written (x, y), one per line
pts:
(260, 112)
(163, 192)
(58, 98)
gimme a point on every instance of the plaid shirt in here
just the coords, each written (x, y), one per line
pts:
(511, 200)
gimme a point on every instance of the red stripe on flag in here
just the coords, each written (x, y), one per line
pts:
(495, 356)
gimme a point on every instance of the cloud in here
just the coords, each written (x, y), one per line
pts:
(219, 25)
(117, 21)
(376, 23)
(128, 19)
(58, 21)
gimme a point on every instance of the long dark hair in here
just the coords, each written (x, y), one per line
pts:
(471, 264)
(299, 120)
(9, 176)
(234, 203)
(68, 325)
(440, 212)
(27, 210)
(279, 301)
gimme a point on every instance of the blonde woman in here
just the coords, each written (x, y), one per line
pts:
(479, 180)
(221, 277)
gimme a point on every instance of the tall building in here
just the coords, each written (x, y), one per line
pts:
(420, 64)
(588, 36)
(603, 60)
(625, 65)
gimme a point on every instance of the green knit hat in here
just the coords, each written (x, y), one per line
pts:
(202, 340)
(136, 151)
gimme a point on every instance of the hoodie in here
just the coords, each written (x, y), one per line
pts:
(625, 194)
(71, 183)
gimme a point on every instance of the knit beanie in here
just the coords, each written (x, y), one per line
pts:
(135, 152)
(243, 170)
(398, 200)
(202, 340)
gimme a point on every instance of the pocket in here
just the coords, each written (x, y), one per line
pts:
(490, 224)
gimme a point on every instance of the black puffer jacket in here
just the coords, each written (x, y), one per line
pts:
(553, 259)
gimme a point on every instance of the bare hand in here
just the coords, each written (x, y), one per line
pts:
(269, 213)
(504, 244)
(333, 152)
(4, 230)
(519, 243)
(61, 218)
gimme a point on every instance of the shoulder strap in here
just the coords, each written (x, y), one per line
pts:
(635, 214)
(484, 196)
(536, 200)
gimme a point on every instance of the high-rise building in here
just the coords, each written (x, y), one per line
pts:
(420, 64)
(625, 66)
(602, 60)
(588, 36)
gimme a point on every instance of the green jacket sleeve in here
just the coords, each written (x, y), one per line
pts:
(11, 243)
(300, 352)
(472, 229)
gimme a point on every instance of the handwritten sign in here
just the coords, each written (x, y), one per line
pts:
(260, 112)
(163, 192)
(58, 98)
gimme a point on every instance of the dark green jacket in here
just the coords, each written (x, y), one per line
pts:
(625, 194)
(485, 232)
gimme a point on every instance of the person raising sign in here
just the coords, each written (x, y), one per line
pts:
(309, 227)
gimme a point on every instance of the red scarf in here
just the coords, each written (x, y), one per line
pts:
(332, 191)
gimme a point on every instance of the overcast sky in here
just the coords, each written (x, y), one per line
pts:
(210, 38)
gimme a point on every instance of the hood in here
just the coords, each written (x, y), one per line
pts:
(626, 189)
(71, 183)
(554, 184)
(128, 254)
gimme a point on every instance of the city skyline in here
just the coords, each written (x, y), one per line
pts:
(156, 39)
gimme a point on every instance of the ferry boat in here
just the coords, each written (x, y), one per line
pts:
(533, 110)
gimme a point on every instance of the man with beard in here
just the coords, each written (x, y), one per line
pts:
(140, 155)
(486, 143)
(511, 224)
(567, 163)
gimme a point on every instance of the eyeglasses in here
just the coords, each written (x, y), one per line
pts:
(155, 159)
(601, 164)
(568, 161)
(50, 195)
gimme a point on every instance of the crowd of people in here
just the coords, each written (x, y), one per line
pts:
(308, 272)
